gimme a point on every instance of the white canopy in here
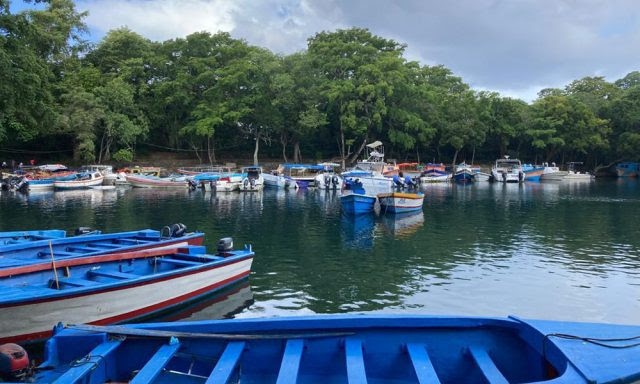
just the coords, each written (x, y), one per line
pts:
(375, 144)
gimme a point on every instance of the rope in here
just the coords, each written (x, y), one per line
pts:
(598, 341)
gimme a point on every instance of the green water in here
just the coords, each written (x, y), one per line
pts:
(553, 251)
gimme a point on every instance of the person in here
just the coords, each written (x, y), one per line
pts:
(20, 165)
(4, 164)
(32, 162)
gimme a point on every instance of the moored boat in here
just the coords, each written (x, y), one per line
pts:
(533, 172)
(37, 250)
(252, 180)
(507, 171)
(369, 180)
(627, 169)
(400, 202)
(81, 180)
(481, 176)
(275, 180)
(18, 237)
(352, 348)
(329, 178)
(435, 173)
(355, 200)
(464, 173)
(143, 181)
(112, 288)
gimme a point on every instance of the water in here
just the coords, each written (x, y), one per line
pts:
(552, 251)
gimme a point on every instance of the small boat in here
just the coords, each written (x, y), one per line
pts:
(554, 176)
(533, 172)
(92, 243)
(329, 178)
(352, 348)
(399, 202)
(464, 173)
(141, 181)
(81, 180)
(507, 171)
(369, 180)
(252, 180)
(105, 170)
(435, 173)
(303, 174)
(114, 288)
(19, 237)
(357, 202)
(275, 180)
(374, 161)
(627, 169)
(481, 176)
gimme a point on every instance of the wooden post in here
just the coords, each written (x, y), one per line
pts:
(53, 263)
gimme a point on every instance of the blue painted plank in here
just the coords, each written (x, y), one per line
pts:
(290, 365)
(422, 364)
(355, 361)
(487, 366)
(113, 274)
(89, 365)
(227, 363)
(181, 263)
(156, 363)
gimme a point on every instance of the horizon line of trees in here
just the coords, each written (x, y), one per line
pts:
(212, 94)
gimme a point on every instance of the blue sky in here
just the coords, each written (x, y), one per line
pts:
(515, 47)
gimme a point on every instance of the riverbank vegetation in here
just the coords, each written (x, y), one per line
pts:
(213, 95)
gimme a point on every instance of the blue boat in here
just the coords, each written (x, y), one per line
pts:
(627, 169)
(43, 250)
(356, 203)
(344, 349)
(532, 172)
(113, 288)
(20, 237)
(463, 176)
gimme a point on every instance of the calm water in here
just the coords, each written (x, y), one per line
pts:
(554, 251)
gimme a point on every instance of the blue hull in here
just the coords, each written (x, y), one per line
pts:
(21, 237)
(36, 250)
(463, 177)
(357, 204)
(344, 348)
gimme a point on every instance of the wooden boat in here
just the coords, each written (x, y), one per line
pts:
(143, 181)
(39, 250)
(357, 203)
(81, 180)
(533, 172)
(399, 202)
(107, 289)
(435, 173)
(20, 237)
(464, 176)
(344, 349)
(627, 169)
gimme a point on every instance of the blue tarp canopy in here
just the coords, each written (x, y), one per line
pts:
(303, 166)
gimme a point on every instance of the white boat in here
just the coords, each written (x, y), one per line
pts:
(481, 176)
(40, 185)
(375, 162)
(507, 171)
(370, 182)
(400, 202)
(105, 170)
(274, 180)
(328, 179)
(252, 180)
(139, 181)
(82, 180)
(554, 174)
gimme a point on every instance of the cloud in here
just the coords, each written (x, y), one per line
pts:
(513, 46)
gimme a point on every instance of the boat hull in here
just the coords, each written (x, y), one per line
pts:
(144, 182)
(116, 304)
(463, 176)
(78, 184)
(357, 204)
(533, 174)
(554, 176)
(627, 169)
(397, 202)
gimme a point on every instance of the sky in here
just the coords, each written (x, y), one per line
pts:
(515, 47)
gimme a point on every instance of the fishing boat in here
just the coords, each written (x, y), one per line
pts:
(507, 171)
(39, 250)
(481, 176)
(435, 173)
(106, 171)
(463, 174)
(533, 172)
(351, 348)
(80, 180)
(144, 181)
(413, 170)
(304, 175)
(328, 178)
(573, 174)
(19, 237)
(252, 180)
(627, 169)
(400, 202)
(357, 203)
(114, 288)
(275, 180)
(374, 161)
(369, 180)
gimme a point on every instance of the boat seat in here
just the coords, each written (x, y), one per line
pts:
(101, 245)
(484, 361)
(113, 274)
(72, 282)
(226, 363)
(44, 254)
(83, 249)
(181, 263)
(203, 258)
(290, 364)
(422, 364)
(356, 372)
(133, 241)
(156, 364)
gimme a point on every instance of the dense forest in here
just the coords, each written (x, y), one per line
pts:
(210, 96)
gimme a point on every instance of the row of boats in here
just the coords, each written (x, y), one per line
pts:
(91, 282)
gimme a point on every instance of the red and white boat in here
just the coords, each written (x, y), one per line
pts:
(115, 288)
(140, 181)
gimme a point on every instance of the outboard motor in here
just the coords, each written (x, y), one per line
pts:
(177, 230)
(83, 231)
(335, 181)
(14, 362)
(225, 245)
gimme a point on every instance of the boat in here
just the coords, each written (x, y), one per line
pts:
(81, 180)
(19, 237)
(252, 179)
(275, 180)
(507, 171)
(374, 161)
(304, 175)
(435, 173)
(574, 175)
(349, 348)
(400, 202)
(554, 176)
(106, 170)
(190, 171)
(533, 172)
(627, 169)
(93, 243)
(481, 176)
(369, 180)
(357, 203)
(413, 170)
(464, 173)
(329, 178)
(143, 181)
(114, 288)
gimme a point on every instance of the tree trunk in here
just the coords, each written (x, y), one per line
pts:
(297, 157)
(455, 158)
(473, 154)
(341, 147)
(255, 152)
(283, 141)
(357, 153)
(211, 151)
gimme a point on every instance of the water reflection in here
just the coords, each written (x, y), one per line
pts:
(358, 231)
(403, 225)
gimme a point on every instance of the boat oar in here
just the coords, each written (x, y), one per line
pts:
(153, 333)
(53, 263)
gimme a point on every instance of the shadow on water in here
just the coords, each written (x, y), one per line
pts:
(542, 250)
